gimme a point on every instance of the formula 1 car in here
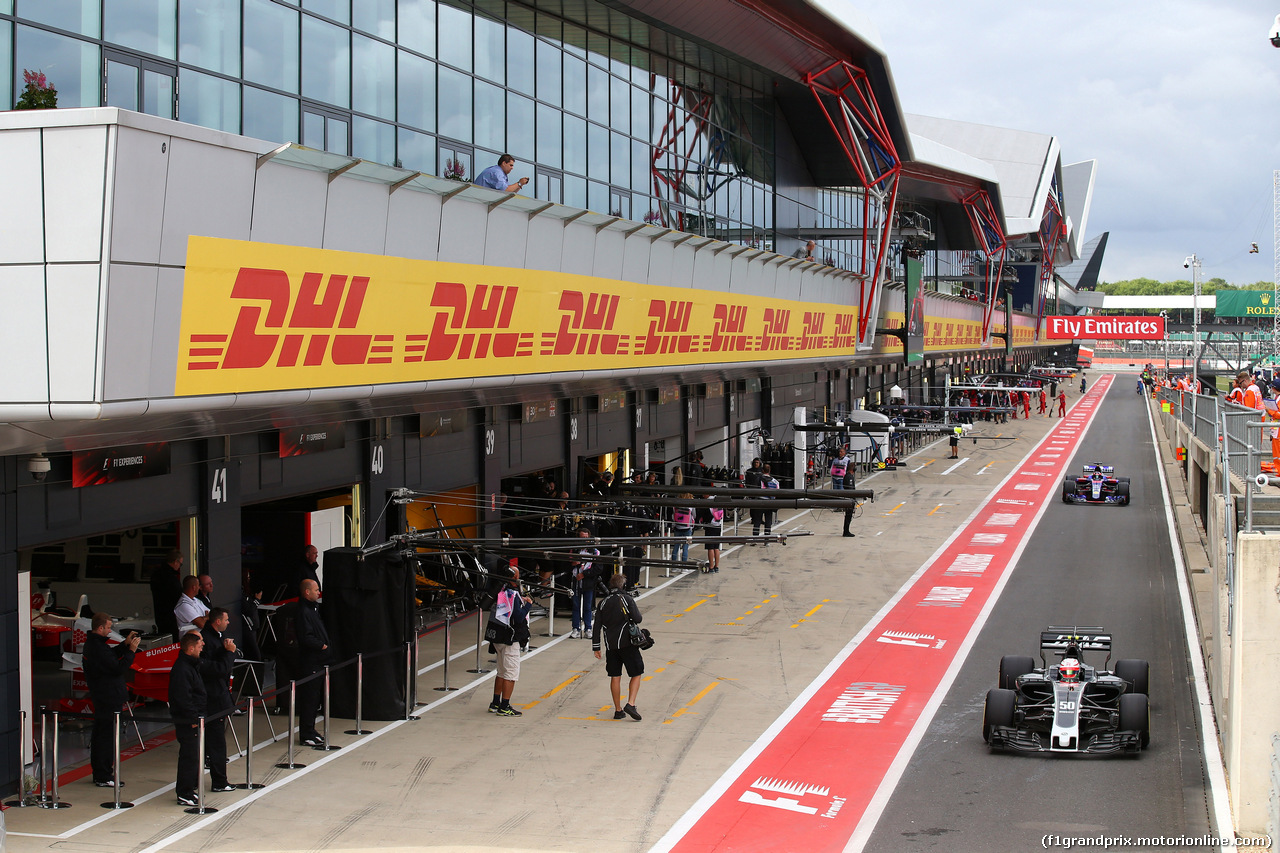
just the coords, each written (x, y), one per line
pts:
(1098, 485)
(1069, 706)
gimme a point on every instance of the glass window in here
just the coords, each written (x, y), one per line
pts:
(639, 113)
(271, 45)
(416, 151)
(490, 116)
(641, 167)
(452, 157)
(209, 34)
(6, 65)
(575, 145)
(376, 17)
(575, 191)
(597, 197)
(549, 73)
(520, 127)
(597, 151)
(490, 50)
(549, 147)
(417, 30)
(149, 26)
(597, 95)
(313, 131)
(575, 85)
(337, 139)
(157, 96)
(270, 116)
(338, 10)
(326, 62)
(373, 77)
(6, 7)
(575, 40)
(620, 161)
(416, 95)
(78, 16)
(455, 104)
(122, 85)
(72, 66)
(455, 37)
(619, 105)
(208, 101)
(520, 60)
(373, 140)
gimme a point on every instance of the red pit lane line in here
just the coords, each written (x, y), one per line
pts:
(813, 781)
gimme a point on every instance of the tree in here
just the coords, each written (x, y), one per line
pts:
(38, 93)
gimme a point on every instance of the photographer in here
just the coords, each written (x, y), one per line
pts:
(104, 669)
(615, 612)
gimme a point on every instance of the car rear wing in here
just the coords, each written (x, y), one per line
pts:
(1106, 469)
(1065, 642)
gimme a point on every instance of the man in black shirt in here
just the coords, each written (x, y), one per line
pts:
(216, 660)
(105, 668)
(166, 588)
(187, 703)
(313, 654)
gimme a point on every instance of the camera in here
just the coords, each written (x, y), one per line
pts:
(38, 467)
(1186, 265)
(1275, 32)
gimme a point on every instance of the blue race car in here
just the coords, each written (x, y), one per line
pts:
(1098, 485)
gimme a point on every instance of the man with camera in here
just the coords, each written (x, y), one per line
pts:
(104, 669)
(616, 612)
(218, 657)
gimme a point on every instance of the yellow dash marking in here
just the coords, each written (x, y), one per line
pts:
(895, 509)
(692, 702)
(805, 618)
(554, 690)
(936, 508)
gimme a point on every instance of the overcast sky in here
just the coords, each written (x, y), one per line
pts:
(1177, 101)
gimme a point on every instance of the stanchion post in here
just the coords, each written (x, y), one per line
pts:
(115, 803)
(42, 796)
(53, 803)
(480, 623)
(448, 647)
(249, 784)
(23, 798)
(200, 807)
(408, 677)
(326, 745)
(359, 729)
(293, 712)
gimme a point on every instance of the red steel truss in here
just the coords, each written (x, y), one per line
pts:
(864, 135)
(1053, 230)
(674, 151)
(986, 227)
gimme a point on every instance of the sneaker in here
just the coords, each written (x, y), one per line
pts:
(311, 741)
(110, 783)
(575, 634)
(494, 707)
(187, 801)
(618, 715)
(222, 789)
(508, 711)
(630, 711)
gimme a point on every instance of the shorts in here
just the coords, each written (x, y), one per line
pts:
(614, 660)
(711, 531)
(508, 661)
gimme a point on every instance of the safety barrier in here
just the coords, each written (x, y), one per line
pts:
(1273, 806)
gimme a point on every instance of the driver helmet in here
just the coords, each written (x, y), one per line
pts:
(1069, 669)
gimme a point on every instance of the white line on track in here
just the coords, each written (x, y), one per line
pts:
(1208, 723)
(955, 466)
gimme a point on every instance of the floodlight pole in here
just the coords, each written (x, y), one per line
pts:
(1194, 262)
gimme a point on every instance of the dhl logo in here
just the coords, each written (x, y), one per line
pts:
(276, 324)
(774, 336)
(668, 328)
(486, 308)
(728, 330)
(585, 322)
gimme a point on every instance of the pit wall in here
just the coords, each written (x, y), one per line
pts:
(1240, 640)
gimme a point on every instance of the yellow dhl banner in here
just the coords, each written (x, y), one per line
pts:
(949, 333)
(262, 317)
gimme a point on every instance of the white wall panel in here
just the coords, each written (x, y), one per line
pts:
(75, 162)
(131, 300)
(164, 336)
(22, 212)
(289, 206)
(704, 270)
(660, 263)
(23, 350)
(210, 194)
(579, 249)
(608, 255)
(73, 331)
(745, 276)
(413, 225)
(545, 250)
(635, 259)
(462, 232)
(138, 195)
(682, 268)
(357, 217)
(506, 237)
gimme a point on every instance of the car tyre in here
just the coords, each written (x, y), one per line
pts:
(1135, 716)
(998, 711)
(1068, 490)
(1135, 673)
(1012, 666)
(1122, 492)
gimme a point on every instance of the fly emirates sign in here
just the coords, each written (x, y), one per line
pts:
(1123, 328)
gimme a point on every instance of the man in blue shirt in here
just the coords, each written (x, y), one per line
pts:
(495, 177)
